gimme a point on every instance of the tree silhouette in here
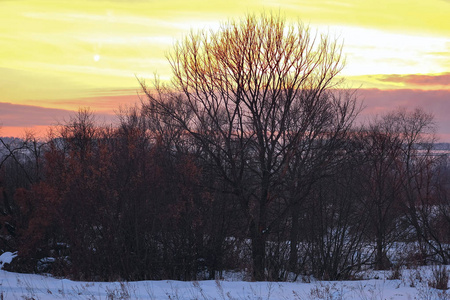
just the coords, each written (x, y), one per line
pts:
(250, 95)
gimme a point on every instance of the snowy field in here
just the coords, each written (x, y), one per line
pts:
(411, 284)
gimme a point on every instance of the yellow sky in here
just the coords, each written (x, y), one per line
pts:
(66, 54)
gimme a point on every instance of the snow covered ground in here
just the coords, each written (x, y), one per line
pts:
(28, 286)
(413, 284)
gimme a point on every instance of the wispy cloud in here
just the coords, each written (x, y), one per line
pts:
(375, 51)
(105, 102)
(15, 115)
(70, 53)
(419, 17)
(16, 119)
(418, 79)
(439, 81)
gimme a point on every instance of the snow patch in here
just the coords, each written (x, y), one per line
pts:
(6, 258)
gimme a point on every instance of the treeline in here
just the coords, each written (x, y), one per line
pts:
(248, 160)
(129, 202)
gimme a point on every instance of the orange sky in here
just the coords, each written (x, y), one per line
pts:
(57, 56)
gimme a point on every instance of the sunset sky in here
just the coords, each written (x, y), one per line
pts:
(58, 56)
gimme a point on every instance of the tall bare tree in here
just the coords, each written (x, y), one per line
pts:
(249, 94)
(420, 181)
(382, 182)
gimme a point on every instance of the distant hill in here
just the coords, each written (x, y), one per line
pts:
(442, 146)
(9, 139)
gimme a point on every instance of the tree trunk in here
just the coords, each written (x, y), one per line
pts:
(258, 252)
(379, 254)
(293, 254)
(381, 260)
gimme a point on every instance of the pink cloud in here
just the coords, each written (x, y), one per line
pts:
(374, 101)
(16, 115)
(15, 118)
(416, 79)
(106, 103)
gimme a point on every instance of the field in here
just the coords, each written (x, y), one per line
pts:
(416, 283)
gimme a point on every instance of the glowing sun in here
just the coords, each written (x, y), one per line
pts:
(96, 57)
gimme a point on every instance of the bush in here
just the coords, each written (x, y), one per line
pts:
(439, 279)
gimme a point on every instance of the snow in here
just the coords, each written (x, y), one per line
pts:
(6, 258)
(412, 285)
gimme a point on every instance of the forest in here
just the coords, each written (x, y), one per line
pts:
(251, 159)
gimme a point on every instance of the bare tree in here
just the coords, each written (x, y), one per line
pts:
(21, 163)
(399, 181)
(421, 184)
(335, 223)
(382, 148)
(249, 94)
